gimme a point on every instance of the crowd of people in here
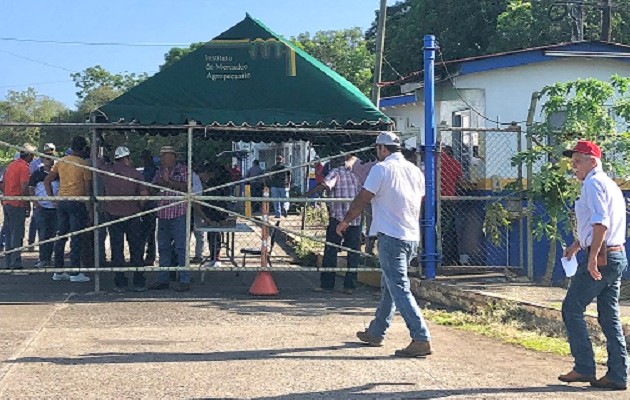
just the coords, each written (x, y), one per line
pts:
(146, 233)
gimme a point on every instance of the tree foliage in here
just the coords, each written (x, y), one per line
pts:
(345, 51)
(176, 53)
(96, 86)
(27, 106)
(473, 28)
(592, 110)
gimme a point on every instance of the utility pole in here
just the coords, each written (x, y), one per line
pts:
(606, 33)
(380, 43)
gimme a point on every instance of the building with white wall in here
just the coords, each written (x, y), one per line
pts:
(496, 89)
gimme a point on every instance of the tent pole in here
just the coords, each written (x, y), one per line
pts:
(189, 191)
(95, 188)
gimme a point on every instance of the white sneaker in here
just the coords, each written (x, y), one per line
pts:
(60, 276)
(213, 264)
(80, 277)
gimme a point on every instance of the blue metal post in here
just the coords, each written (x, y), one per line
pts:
(431, 255)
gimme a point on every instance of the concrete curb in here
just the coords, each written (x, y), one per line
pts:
(545, 318)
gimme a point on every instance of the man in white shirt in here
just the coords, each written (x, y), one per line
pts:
(395, 187)
(601, 221)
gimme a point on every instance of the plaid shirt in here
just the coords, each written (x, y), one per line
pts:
(342, 184)
(178, 174)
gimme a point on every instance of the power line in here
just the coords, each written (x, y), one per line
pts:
(34, 84)
(459, 94)
(392, 68)
(78, 43)
(36, 61)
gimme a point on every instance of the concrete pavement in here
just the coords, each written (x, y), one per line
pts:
(57, 340)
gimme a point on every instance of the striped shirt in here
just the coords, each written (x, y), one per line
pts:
(342, 184)
(178, 174)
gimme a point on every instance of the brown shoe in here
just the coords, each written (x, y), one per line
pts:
(416, 348)
(574, 376)
(605, 383)
(368, 339)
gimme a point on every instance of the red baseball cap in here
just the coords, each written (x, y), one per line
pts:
(584, 147)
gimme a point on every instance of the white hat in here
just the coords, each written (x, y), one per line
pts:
(49, 147)
(121, 152)
(28, 148)
(388, 139)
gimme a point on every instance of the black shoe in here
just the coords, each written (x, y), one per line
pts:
(159, 286)
(120, 289)
(181, 287)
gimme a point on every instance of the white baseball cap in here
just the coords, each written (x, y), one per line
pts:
(121, 152)
(388, 139)
(49, 147)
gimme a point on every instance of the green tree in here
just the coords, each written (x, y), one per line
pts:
(27, 106)
(345, 51)
(474, 28)
(542, 22)
(176, 53)
(589, 107)
(462, 28)
(96, 86)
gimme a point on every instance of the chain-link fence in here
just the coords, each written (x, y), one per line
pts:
(480, 212)
(187, 202)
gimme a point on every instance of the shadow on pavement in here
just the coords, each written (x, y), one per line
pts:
(170, 357)
(367, 392)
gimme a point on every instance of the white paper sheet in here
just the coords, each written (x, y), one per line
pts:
(570, 266)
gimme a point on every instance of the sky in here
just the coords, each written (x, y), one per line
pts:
(169, 23)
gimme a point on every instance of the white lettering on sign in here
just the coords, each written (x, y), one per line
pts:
(223, 68)
(217, 57)
(228, 77)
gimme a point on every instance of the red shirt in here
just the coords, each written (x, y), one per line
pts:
(319, 173)
(16, 175)
(450, 173)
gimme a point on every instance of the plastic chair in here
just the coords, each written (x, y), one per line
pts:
(257, 252)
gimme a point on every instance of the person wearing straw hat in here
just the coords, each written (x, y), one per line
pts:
(16, 179)
(600, 212)
(395, 187)
(171, 220)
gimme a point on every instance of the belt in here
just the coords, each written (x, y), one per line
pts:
(610, 249)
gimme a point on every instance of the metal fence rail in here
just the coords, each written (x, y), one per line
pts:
(304, 235)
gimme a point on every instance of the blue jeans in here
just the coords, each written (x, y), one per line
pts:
(582, 291)
(351, 239)
(280, 207)
(47, 228)
(15, 222)
(33, 228)
(132, 230)
(71, 217)
(394, 256)
(172, 236)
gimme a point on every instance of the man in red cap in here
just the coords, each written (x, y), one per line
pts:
(601, 229)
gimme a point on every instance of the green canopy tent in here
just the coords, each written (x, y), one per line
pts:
(248, 84)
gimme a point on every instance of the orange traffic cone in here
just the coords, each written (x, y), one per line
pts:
(263, 285)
